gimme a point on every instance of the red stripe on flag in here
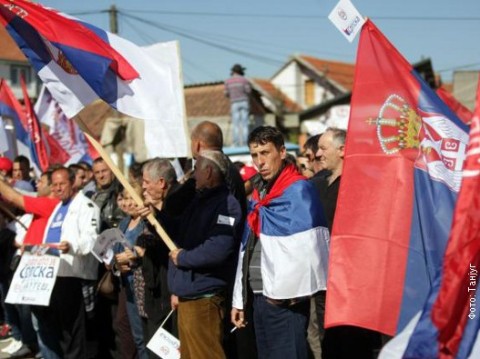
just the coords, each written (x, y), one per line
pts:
(371, 231)
(57, 28)
(451, 310)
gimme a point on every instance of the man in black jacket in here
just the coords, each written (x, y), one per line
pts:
(201, 270)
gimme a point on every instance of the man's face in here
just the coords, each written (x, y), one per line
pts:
(267, 158)
(19, 172)
(330, 155)
(103, 175)
(43, 188)
(154, 189)
(62, 188)
(80, 179)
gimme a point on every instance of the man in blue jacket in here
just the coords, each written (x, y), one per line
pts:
(203, 266)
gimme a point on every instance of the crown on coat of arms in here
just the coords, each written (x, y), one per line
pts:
(398, 125)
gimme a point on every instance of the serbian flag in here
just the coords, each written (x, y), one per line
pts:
(80, 63)
(11, 108)
(450, 322)
(62, 130)
(461, 111)
(402, 172)
(38, 150)
(291, 227)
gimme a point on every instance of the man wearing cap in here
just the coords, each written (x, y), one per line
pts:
(6, 167)
(237, 89)
(202, 267)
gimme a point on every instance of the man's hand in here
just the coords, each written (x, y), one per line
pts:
(174, 255)
(237, 317)
(174, 301)
(144, 211)
(63, 246)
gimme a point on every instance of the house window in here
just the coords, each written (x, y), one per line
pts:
(309, 93)
(16, 71)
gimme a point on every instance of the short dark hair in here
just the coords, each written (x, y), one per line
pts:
(70, 172)
(48, 173)
(86, 166)
(264, 134)
(312, 143)
(24, 161)
(98, 160)
(75, 167)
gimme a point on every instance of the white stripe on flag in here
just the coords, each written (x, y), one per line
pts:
(3, 137)
(295, 266)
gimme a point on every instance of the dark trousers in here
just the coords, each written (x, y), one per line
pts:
(346, 342)
(281, 331)
(63, 321)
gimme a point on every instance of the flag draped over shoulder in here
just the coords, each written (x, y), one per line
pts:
(292, 229)
(402, 171)
(80, 63)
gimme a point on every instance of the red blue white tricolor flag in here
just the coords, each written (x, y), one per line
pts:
(403, 168)
(11, 108)
(80, 63)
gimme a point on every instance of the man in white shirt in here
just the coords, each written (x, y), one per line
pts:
(72, 229)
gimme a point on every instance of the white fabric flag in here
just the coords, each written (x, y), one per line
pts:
(3, 137)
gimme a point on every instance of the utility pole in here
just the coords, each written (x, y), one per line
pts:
(113, 12)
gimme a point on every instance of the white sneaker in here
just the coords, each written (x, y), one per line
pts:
(12, 347)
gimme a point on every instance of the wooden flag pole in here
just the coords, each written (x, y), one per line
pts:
(151, 218)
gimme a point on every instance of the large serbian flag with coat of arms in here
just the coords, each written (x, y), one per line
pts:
(402, 173)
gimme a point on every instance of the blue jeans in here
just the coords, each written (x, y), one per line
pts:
(240, 111)
(281, 331)
(134, 319)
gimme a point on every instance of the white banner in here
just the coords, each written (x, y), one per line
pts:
(33, 280)
(164, 344)
(347, 19)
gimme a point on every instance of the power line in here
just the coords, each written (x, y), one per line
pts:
(301, 16)
(260, 58)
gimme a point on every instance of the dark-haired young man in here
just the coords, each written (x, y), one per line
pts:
(284, 251)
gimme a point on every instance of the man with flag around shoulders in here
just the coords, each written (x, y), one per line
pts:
(284, 252)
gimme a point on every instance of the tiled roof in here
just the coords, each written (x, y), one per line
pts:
(274, 93)
(340, 72)
(209, 100)
(9, 49)
(206, 100)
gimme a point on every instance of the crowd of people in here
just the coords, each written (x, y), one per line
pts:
(248, 277)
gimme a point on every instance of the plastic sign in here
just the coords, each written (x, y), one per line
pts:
(347, 19)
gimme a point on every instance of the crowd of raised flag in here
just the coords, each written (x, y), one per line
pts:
(368, 234)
